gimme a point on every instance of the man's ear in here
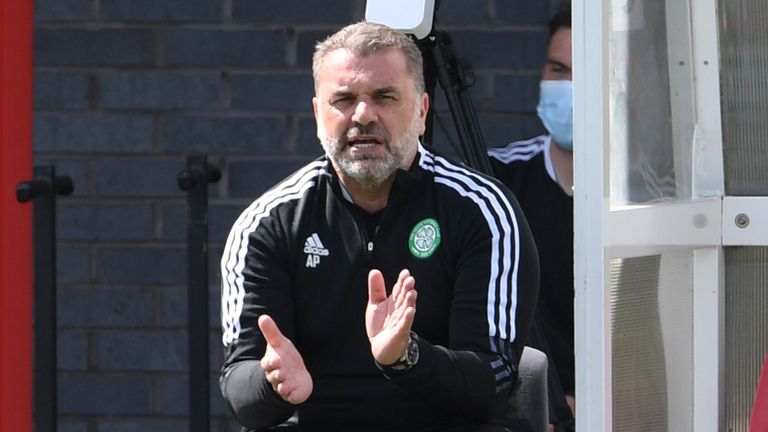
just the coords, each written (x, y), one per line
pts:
(314, 109)
(423, 110)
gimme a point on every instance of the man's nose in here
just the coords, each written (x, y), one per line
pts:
(364, 113)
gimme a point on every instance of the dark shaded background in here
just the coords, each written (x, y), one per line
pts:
(125, 89)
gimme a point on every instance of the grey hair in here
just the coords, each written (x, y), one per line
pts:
(364, 38)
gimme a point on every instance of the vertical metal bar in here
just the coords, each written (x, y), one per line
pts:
(709, 339)
(197, 243)
(591, 28)
(44, 217)
(195, 181)
(43, 188)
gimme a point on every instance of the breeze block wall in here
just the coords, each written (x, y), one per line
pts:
(126, 89)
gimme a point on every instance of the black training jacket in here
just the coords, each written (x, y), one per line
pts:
(526, 168)
(301, 253)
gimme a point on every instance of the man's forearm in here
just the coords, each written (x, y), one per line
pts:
(455, 381)
(251, 398)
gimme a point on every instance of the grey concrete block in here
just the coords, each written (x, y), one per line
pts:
(444, 139)
(113, 307)
(160, 90)
(78, 133)
(459, 12)
(149, 266)
(215, 351)
(214, 310)
(62, 90)
(533, 12)
(173, 301)
(104, 394)
(161, 10)
(220, 220)
(252, 135)
(144, 425)
(138, 178)
(153, 350)
(174, 220)
(72, 426)
(73, 264)
(294, 12)
(219, 406)
(284, 92)
(502, 49)
(305, 45)
(226, 48)
(307, 143)
(104, 221)
(72, 350)
(234, 426)
(516, 93)
(101, 47)
(252, 178)
(172, 397)
(63, 10)
(172, 304)
(214, 274)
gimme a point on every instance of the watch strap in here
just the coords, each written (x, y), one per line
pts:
(409, 358)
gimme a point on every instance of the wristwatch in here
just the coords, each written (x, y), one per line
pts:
(409, 358)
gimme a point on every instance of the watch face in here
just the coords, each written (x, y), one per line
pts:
(409, 358)
(413, 352)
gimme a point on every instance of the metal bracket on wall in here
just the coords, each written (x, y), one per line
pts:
(195, 180)
(42, 189)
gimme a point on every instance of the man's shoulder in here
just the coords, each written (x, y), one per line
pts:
(306, 176)
(446, 169)
(457, 182)
(519, 151)
(293, 187)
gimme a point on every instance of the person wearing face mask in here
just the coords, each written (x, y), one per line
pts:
(322, 325)
(540, 173)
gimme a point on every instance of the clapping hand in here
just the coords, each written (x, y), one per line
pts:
(283, 364)
(388, 320)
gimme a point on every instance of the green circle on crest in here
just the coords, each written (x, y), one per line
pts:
(425, 238)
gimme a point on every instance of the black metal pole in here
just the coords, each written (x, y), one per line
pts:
(194, 180)
(43, 189)
(441, 62)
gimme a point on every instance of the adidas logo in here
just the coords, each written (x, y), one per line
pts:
(313, 245)
(314, 249)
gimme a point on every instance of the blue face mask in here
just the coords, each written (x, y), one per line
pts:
(556, 111)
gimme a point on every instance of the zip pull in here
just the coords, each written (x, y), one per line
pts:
(370, 246)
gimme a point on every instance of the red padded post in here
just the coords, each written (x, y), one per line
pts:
(759, 420)
(16, 284)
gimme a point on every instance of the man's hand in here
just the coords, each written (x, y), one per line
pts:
(571, 403)
(388, 320)
(283, 364)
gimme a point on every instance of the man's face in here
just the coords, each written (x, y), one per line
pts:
(558, 66)
(369, 114)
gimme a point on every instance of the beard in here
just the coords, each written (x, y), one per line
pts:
(371, 171)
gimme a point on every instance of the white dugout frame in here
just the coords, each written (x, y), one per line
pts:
(704, 223)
